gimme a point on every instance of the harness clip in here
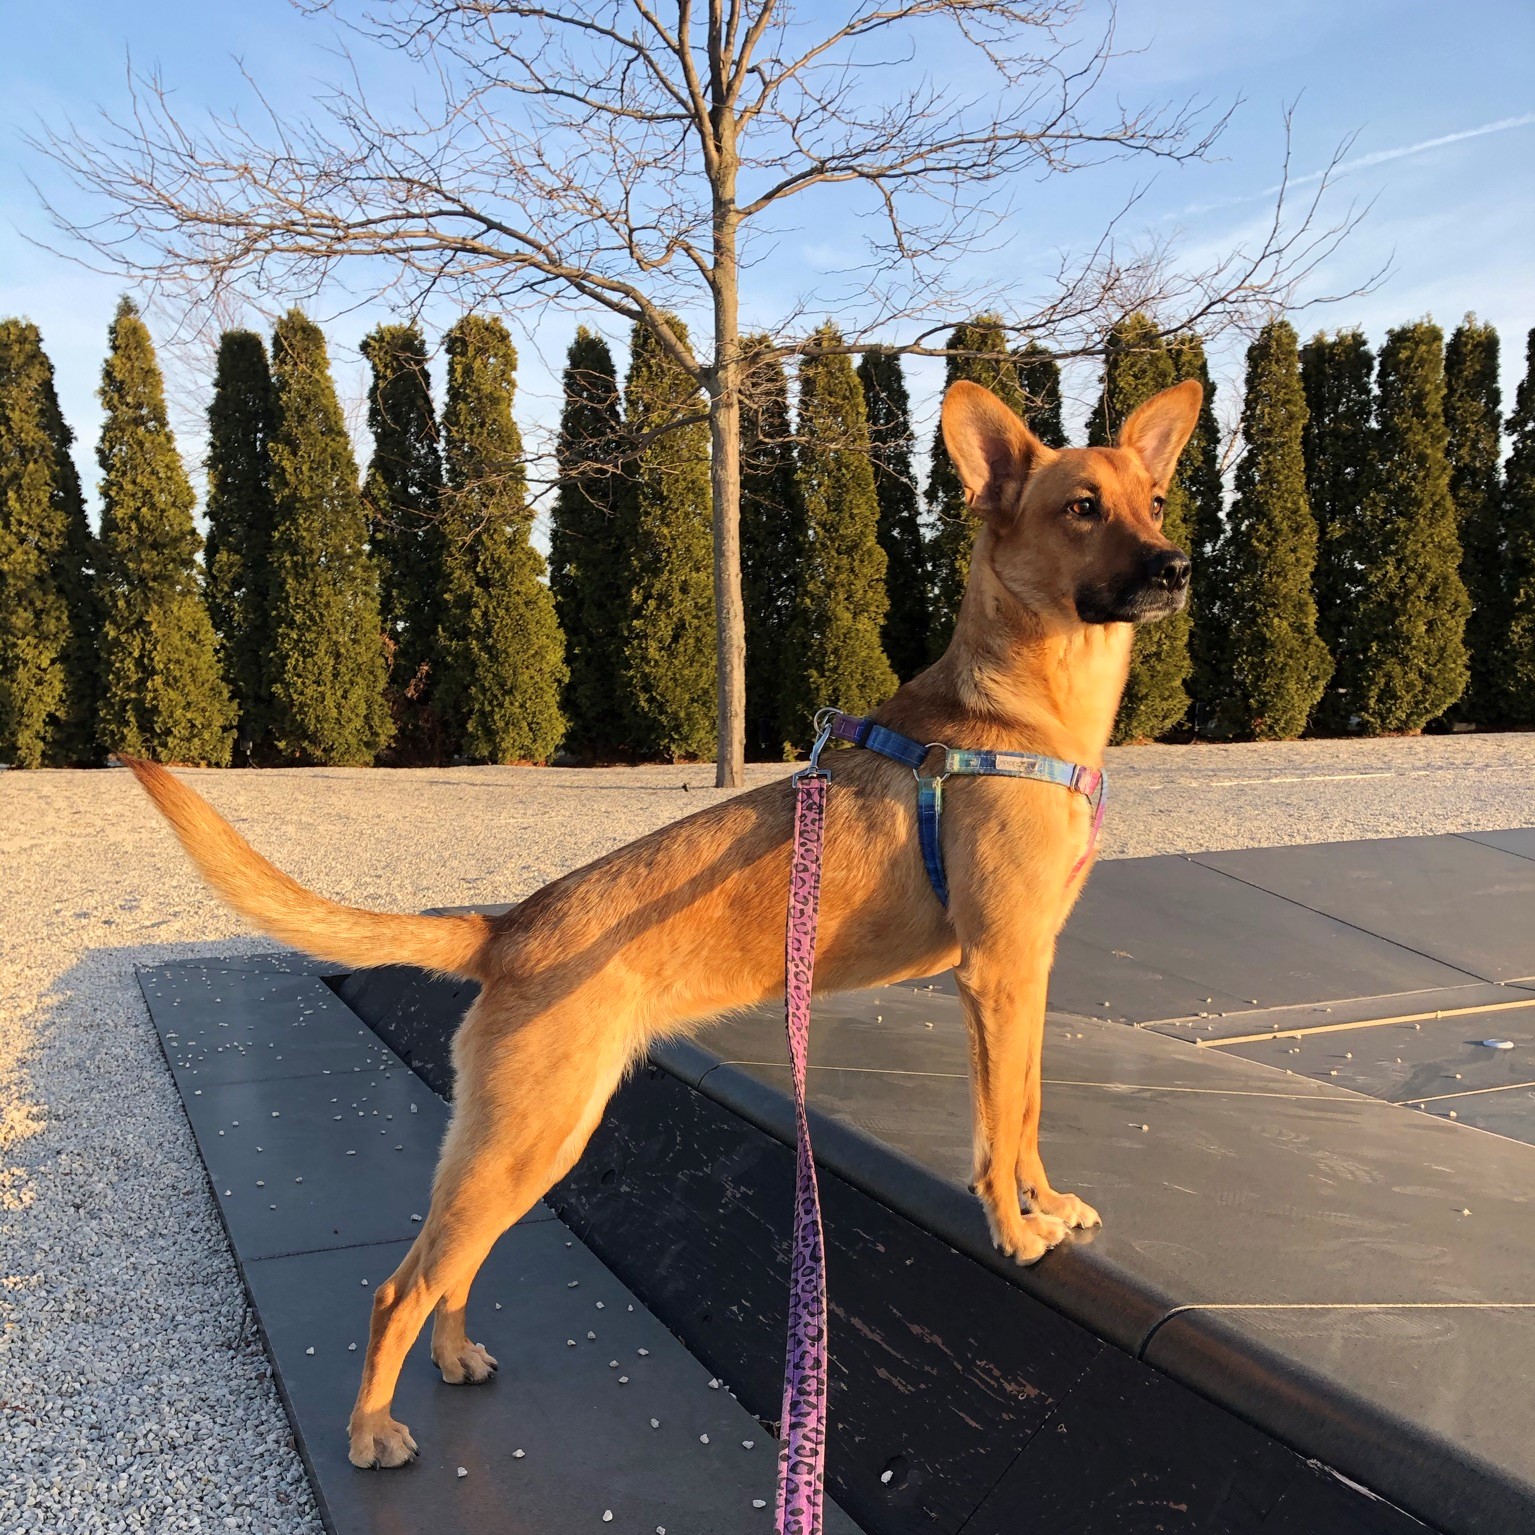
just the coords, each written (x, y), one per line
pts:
(824, 719)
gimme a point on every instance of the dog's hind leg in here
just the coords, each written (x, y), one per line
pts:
(470, 1209)
(530, 1097)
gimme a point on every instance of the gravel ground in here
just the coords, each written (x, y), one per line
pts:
(133, 1393)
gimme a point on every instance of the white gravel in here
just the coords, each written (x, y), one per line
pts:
(133, 1394)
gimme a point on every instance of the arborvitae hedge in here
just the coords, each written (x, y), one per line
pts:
(48, 678)
(1138, 364)
(1402, 655)
(772, 540)
(1473, 418)
(669, 659)
(501, 655)
(1199, 479)
(888, 407)
(834, 655)
(78, 739)
(328, 662)
(1337, 373)
(1517, 670)
(163, 694)
(953, 526)
(238, 553)
(1039, 382)
(1276, 666)
(402, 498)
(590, 549)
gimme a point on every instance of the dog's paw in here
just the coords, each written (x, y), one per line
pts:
(1024, 1238)
(468, 1365)
(1075, 1212)
(381, 1443)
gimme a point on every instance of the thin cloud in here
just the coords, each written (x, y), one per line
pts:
(1364, 162)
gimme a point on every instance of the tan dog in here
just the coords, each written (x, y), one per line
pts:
(676, 928)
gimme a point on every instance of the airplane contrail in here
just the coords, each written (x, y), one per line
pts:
(1376, 157)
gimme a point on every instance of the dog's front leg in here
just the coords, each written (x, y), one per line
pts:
(1033, 1185)
(1002, 989)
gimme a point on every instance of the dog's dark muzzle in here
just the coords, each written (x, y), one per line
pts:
(1159, 590)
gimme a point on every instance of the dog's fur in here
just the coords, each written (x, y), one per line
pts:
(688, 922)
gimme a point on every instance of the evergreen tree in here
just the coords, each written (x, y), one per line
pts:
(1276, 666)
(1472, 413)
(47, 622)
(238, 553)
(502, 657)
(1402, 660)
(834, 653)
(163, 694)
(1199, 479)
(328, 661)
(953, 526)
(668, 662)
(772, 540)
(1137, 364)
(402, 497)
(78, 738)
(1337, 373)
(589, 549)
(1516, 675)
(888, 407)
(1039, 382)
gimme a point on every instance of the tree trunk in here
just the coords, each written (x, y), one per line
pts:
(725, 487)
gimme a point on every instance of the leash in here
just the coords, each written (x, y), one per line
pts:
(802, 1427)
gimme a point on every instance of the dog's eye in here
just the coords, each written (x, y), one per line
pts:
(1085, 508)
(1158, 506)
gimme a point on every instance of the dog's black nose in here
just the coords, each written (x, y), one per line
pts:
(1169, 569)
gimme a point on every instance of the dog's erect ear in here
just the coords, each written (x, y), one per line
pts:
(993, 451)
(1159, 429)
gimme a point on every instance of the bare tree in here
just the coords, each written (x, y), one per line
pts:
(602, 153)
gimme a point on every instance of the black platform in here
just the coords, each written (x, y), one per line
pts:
(319, 1147)
(1288, 1323)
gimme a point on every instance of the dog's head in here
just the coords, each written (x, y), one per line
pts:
(1075, 534)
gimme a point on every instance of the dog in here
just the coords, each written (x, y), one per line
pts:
(687, 923)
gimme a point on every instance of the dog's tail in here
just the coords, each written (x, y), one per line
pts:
(265, 896)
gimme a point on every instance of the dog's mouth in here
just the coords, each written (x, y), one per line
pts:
(1135, 602)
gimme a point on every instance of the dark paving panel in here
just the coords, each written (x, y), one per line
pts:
(1214, 1027)
(278, 962)
(940, 1368)
(244, 1025)
(894, 1030)
(343, 1159)
(1404, 1061)
(1131, 1453)
(344, 1154)
(1510, 1113)
(1327, 1198)
(1521, 840)
(582, 1425)
(1318, 1502)
(1420, 1400)
(1455, 900)
(1165, 937)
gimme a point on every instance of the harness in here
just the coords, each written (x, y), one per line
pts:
(802, 1423)
(959, 761)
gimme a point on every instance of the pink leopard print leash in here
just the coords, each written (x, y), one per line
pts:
(802, 1431)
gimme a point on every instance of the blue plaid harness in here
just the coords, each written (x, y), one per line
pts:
(1090, 783)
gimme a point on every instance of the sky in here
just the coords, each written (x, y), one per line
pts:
(1434, 102)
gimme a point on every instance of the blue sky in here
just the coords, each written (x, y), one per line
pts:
(1438, 98)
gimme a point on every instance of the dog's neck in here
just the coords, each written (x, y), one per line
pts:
(1015, 677)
